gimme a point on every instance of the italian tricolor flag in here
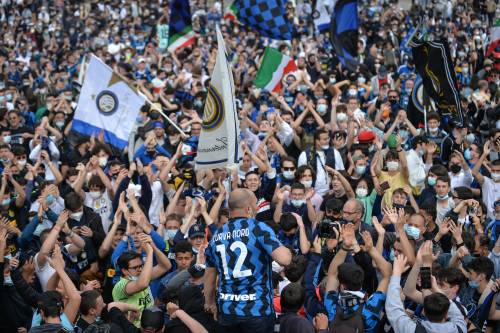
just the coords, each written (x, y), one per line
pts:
(494, 38)
(182, 39)
(231, 12)
(272, 69)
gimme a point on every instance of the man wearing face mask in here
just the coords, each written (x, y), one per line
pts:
(320, 156)
(434, 133)
(490, 186)
(245, 293)
(83, 220)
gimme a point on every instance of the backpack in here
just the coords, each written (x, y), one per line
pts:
(352, 323)
(421, 329)
(311, 157)
(98, 327)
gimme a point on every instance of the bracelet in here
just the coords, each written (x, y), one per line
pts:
(343, 248)
(399, 150)
(460, 245)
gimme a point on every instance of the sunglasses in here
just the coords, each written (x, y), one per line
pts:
(289, 169)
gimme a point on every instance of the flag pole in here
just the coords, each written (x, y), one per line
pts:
(160, 111)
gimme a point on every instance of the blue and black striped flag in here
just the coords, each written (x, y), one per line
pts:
(267, 17)
(344, 32)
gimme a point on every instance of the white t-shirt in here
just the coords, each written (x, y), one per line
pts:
(156, 203)
(323, 180)
(491, 192)
(44, 272)
(102, 206)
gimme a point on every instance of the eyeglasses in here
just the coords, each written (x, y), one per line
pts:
(136, 267)
(348, 213)
(289, 169)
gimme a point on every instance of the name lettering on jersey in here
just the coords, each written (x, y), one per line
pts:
(237, 297)
(145, 300)
(236, 234)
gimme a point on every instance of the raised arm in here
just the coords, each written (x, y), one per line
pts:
(383, 266)
(72, 306)
(304, 243)
(475, 172)
(142, 283)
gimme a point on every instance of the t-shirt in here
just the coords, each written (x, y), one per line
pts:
(491, 192)
(141, 299)
(372, 308)
(395, 182)
(102, 206)
(241, 250)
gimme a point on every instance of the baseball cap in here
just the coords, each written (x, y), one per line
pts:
(158, 124)
(152, 318)
(366, 136)
(196, 271)
(196, 231)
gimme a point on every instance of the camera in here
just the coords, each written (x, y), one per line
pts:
(326, 228)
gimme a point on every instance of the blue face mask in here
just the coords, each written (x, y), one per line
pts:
(442, 197)
(411, 231)
(468, 154)
(431, 181)
(473, 284)
(50, 199)
(6, 202)
(403, 134)
(361, 169)
(297, 202)
(288, 174)
(392, 255)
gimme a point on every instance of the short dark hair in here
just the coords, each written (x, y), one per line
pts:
(95, 180)
(88, 301)
(482, 265)
(125, 258)
(51, 303)
(445, 179)
(429, 206)
(292, 297)
(182, 247)
(436, 307)
(451, 275)
(297, 186)
(318, 133)
(351, 276)
(288, 222)
(438, 170)
(73, 201)
(433, 115)
(296, 269)
(303, 168)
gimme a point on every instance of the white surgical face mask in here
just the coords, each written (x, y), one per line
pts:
(76, 216)
(392, 165)
(95, 194)
(341, 117)
(307, 183)
(361, 192)
(22, 163)
(103, 161)
(170, 234)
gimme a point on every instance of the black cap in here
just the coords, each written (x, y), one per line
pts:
(152, 318)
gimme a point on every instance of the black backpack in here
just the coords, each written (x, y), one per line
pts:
(351, 323)
(311, 157)
(98, 327)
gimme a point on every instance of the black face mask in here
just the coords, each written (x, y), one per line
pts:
(455, 168)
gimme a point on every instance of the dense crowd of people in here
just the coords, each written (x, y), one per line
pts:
(343, 215)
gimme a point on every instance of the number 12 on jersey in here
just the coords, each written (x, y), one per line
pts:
(237, 272)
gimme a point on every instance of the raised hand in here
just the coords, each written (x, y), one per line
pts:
(368, 240)
(400, 265)
(378, 227)
(347, 232)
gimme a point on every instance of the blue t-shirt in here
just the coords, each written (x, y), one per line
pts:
(372, 308)
(241, 250)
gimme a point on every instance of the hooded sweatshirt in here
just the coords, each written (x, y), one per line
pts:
(402, 323)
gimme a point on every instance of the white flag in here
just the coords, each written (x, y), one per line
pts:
(219, 143)
(322, 15)
(106, 103)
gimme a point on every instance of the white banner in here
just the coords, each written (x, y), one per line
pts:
(106, 103)
(219, 143)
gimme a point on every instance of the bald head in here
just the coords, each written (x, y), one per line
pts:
(240, 198)
(353, 211)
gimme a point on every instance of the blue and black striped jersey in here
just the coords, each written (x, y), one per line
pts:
(240, 251)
